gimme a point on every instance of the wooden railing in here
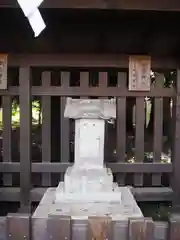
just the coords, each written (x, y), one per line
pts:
(22, 226)
(50, 81)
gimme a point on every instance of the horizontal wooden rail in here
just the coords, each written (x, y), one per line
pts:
(90, 91)
(168, 5)
(144, 194)
(84, 61)
(116, 167)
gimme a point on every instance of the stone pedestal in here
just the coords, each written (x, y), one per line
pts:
(88, 188)
(79, 213)
(88, 180)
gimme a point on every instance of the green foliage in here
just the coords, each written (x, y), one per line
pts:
(36, 114)
(158, 211)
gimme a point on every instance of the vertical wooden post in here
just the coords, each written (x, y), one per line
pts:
(141, 229)
(59, 227)
(139, 138)
(7, 108)
(64, 129)
(25, 137)
(158, 129)
(121, 126)
(176, 144)
(174, 227)
(103, 83)
(100, 228)
(46, 128)
(18, 227)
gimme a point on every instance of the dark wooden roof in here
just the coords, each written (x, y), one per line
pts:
(161, 5)
(93, 31)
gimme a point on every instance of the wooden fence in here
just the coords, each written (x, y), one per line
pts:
(22, 226)
(45, 78)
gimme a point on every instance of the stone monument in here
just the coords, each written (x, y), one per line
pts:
(88, 180)
(88, 189)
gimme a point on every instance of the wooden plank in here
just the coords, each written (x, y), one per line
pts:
(3, 71)
(64, 129)
(139, 138)
(18, 227)
(79, 229)
(107, 152)
(59, 227)
(166, 5)
(176, 143)
(120, 229)
(116, 167)
(141, 229)
(157, 138)
(9, 167)
(46, 128)
(158, 129)
(103, 83)
(84, 60)
(174, 227)
(84, 80)
(3, 228)
(140, 167)
(121, 126)
(161, 230)
(103, 80)
(94, 92)
(7, 109)
(139, 73)
(101, 92)
(148, 194)
(100, 228)
(25, 137)
(145, 194)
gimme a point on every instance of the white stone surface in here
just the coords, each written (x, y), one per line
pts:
(62, 196)
(128, 207)
(88, 187)
(89, 143)
(90, 108)
(88, 179)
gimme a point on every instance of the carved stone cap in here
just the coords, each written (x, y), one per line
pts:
(90, 108)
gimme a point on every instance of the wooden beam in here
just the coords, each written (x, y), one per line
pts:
(78, 91)
(176, 142)
(117, 167)
(144, 194)
(165, 5)
(74, 91)
(46, 128)
(84, 60)
(25, 137)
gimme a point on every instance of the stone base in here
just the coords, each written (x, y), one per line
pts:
(128, 207)
(87, 179)
(88, 183)
(113, 196)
